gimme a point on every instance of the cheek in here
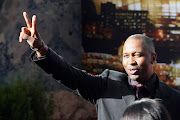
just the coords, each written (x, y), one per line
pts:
(144, 64)
(124, 63)
(142, 61)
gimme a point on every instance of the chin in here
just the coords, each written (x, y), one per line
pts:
(134, 77)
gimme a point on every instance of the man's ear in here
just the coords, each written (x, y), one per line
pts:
(153, 58)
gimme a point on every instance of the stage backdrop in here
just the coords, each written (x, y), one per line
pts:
(107, 24)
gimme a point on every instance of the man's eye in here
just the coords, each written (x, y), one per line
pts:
(137, 55)
(125, 56)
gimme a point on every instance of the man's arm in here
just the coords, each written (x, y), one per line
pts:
(87, 85)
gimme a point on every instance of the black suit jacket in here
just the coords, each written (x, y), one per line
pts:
(111, 92)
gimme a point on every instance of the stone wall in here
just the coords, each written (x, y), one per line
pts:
(59, 24)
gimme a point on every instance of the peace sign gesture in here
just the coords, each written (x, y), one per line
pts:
(32, 37)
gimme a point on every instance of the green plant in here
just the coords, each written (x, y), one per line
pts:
(25, 100)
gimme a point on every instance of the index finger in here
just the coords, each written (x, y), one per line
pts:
(28, 22)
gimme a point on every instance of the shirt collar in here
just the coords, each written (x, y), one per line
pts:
(150, 84)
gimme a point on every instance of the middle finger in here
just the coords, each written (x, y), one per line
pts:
(28, 22)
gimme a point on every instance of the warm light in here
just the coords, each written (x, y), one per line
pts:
(138, 6)
(131, 7)
(172, 8)
(172, 25)
(175, 31)
(165, 8)
(119, 4)
(178, 6)
(160, 33)
(158, 25)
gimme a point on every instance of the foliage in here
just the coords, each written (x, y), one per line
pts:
(25, 100)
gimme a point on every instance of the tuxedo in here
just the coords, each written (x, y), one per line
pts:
(111, 91)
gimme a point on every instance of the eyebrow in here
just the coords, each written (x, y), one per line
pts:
(133, 52)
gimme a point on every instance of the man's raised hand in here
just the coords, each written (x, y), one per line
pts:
(31, 35)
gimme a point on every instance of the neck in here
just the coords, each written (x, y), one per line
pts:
(144, 80)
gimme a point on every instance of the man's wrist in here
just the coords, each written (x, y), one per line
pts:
(43, 51)
(38, 49)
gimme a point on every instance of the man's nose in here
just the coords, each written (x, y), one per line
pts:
(131, 60)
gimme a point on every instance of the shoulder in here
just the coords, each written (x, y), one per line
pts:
(113, 75)
(169, 90)
(175, 92)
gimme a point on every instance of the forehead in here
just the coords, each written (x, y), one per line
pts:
(134, 45)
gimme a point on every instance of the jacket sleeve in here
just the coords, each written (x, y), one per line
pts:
(88, 86)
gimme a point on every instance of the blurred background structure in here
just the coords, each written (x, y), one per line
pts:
(111, 21)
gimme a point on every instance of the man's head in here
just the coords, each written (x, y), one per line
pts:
(138, 57)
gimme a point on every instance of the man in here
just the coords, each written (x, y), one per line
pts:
(111, 92)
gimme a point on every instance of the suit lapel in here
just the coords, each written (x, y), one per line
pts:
(162, 91)
(130, 98)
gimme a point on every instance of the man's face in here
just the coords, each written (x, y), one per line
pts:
(137, 60)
